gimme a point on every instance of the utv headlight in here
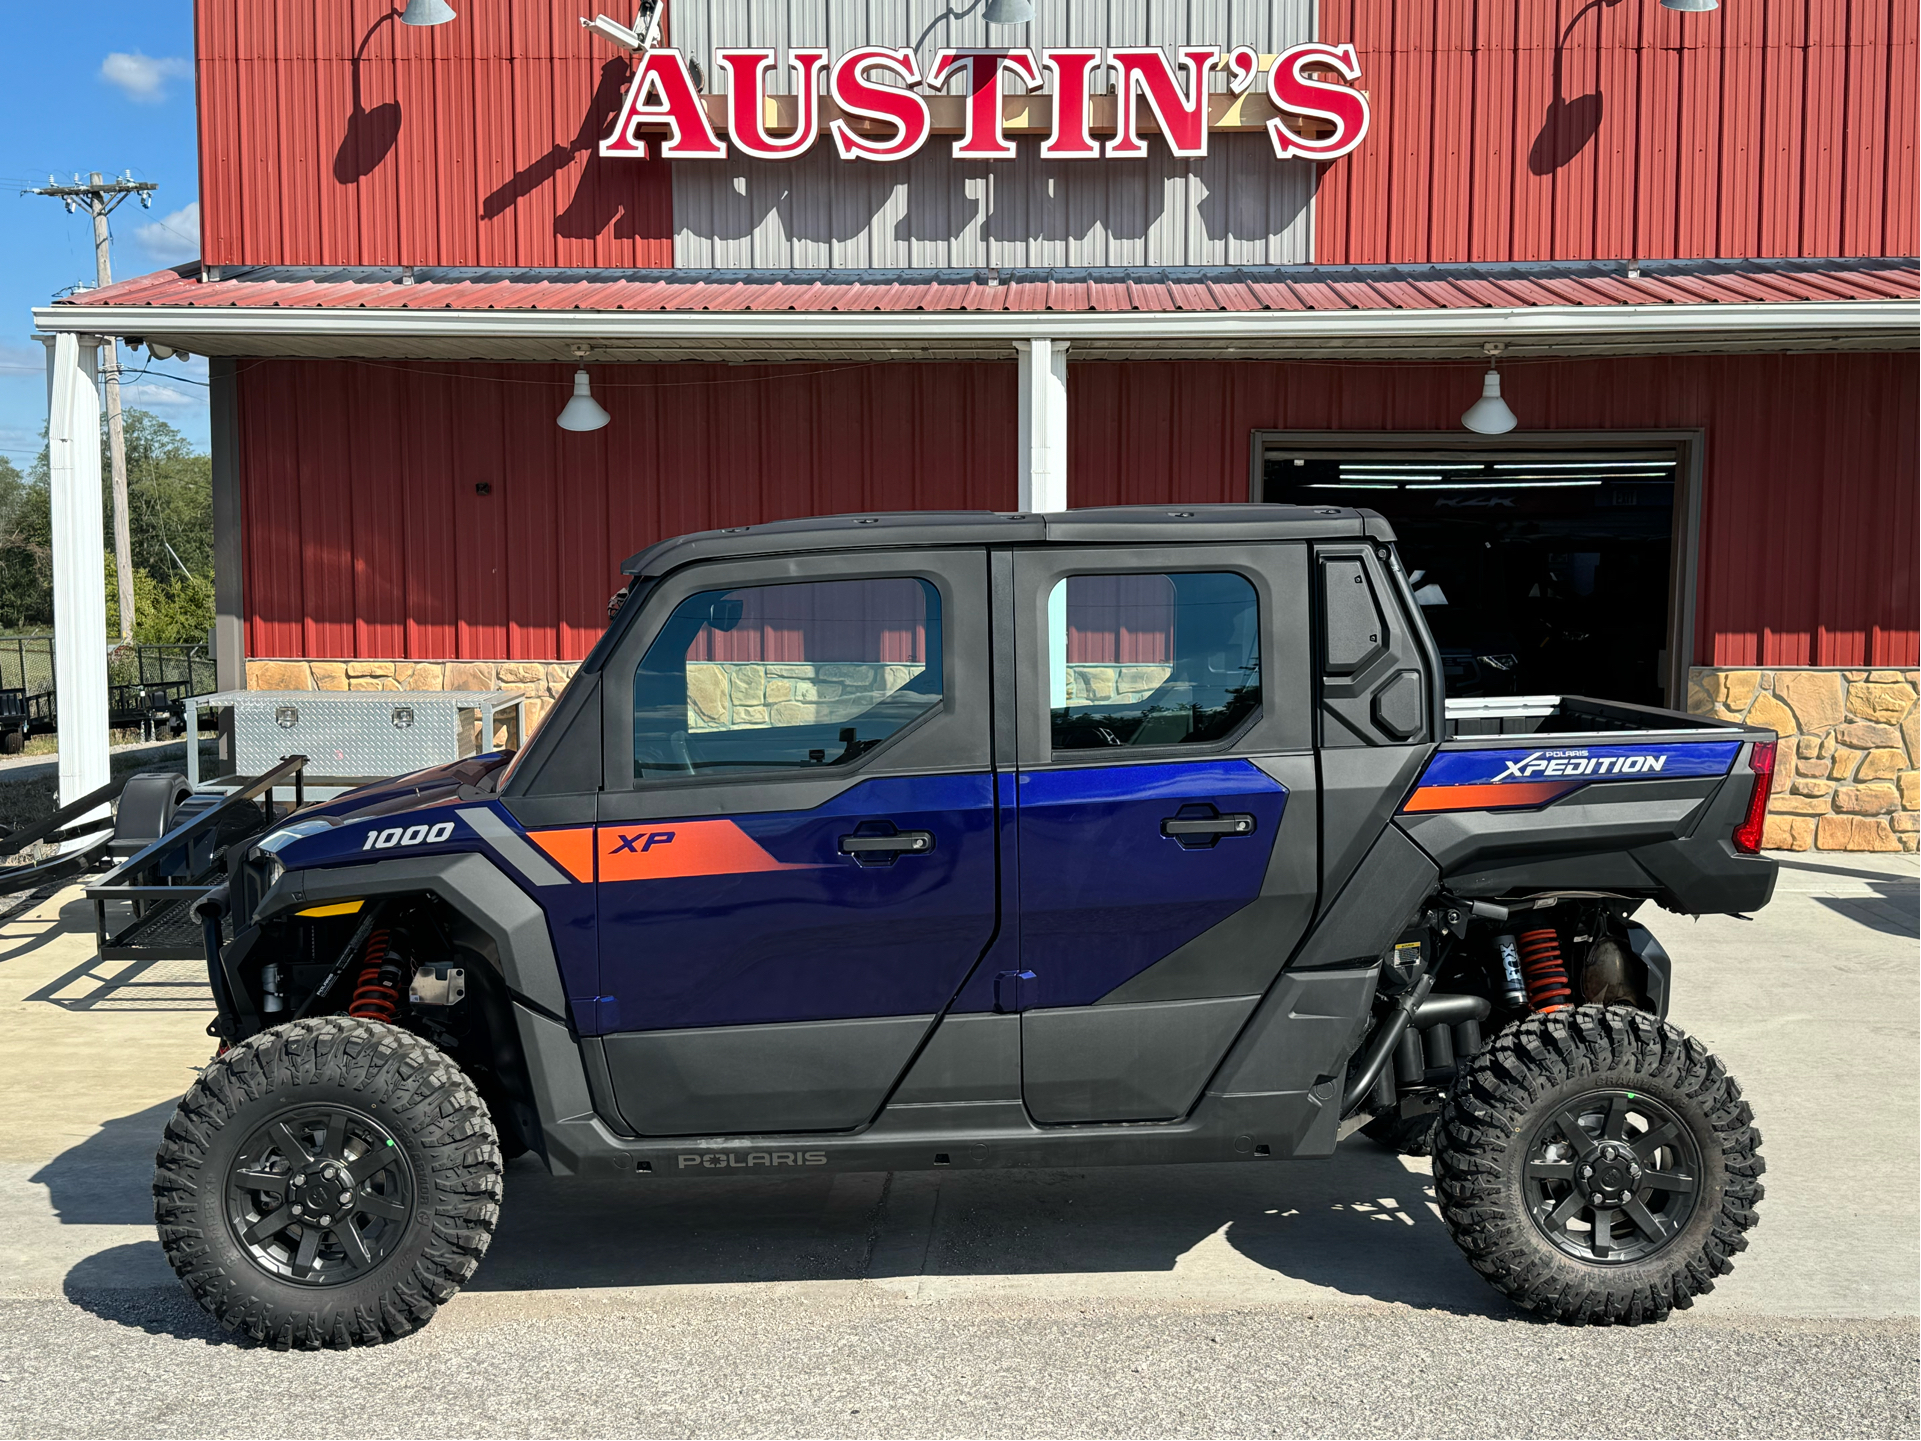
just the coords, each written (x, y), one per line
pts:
(267, 851)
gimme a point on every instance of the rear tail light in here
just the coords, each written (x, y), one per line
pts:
(1747, 835)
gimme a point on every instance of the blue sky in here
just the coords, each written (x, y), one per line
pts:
(110, 89)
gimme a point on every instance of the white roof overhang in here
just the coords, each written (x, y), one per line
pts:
(659, 335)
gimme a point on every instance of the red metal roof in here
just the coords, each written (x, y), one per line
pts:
(1292, 288)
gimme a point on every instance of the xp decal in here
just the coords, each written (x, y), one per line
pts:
(664, 850)
(1506, 779)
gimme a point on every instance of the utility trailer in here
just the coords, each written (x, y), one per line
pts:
(1110, 837)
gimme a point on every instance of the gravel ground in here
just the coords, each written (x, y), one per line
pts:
(846, 1364)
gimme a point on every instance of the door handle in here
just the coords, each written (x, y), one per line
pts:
(1217, 826)
(886, 849)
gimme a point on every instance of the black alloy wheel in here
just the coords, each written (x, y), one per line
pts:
(320, 1196)
(1598, 1166)
(1612, 1176)
(329, 1182)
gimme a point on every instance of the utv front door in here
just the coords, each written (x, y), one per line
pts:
(795, 845)
(1167, 826)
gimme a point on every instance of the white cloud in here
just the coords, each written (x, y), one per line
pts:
(147, 395)
(172, 238)
(142, 77)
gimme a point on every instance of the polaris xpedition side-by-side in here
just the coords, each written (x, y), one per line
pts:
(880, 842)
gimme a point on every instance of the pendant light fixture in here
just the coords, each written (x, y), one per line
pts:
(1691, 4)
(426, 12)
(1009, 12)
(582, 412)
(1489, 415)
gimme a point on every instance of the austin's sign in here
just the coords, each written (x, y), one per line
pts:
(874, 107)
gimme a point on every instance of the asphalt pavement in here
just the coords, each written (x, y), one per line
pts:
(1305, 1298)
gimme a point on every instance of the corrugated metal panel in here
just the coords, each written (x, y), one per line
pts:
(929, 26)
(1238, 206)
(331, 134)
(369, 540)
(364, 535)
(1516, 129)
(1810, 485)
(1333, 288)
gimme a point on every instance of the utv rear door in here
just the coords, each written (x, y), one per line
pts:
(1167, 847)
(795, 846)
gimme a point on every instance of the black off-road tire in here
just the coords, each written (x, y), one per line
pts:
(444, 1155)
(1545, 1066)
(1405, 1136)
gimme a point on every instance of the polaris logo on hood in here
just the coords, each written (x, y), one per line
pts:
(1579, 763)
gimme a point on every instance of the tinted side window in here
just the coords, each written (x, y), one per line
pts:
(1152, 660)
(785, 677)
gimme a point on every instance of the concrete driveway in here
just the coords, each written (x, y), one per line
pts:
(1303, 1298)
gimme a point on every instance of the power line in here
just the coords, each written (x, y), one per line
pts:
(102, 197)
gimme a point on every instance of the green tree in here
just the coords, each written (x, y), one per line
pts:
(178, 611)
(170, 528)
(26, 549)
(169, 501)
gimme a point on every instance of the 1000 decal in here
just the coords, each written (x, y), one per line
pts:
(407, 836)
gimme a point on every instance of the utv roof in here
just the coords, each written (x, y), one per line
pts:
(1098, 525)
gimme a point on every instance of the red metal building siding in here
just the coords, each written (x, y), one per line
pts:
(465, 144)
(1522, 130)
(1810, 483)
(364, 536)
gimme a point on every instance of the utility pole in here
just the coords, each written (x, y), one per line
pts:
(102, 197)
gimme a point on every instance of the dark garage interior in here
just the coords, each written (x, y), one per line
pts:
(1539, 571)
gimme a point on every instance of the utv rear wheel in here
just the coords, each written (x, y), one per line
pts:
(1598, 1166)
(327, 1183)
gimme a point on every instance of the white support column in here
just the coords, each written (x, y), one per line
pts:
(1043, 424)
(79, 568)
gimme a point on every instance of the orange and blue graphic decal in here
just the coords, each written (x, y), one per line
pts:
(1480, 780)
(667, 850)
(570, 847)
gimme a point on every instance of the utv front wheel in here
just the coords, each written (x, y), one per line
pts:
(327, 1183)
(1598, 1166)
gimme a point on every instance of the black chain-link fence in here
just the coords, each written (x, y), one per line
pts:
(145, 687)
(26, 663)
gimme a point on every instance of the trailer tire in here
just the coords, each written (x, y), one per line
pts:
(1675, 1200)
(1405, 1136)
(13, 742)
(363, 1106)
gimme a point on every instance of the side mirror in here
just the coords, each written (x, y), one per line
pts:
(725, 613)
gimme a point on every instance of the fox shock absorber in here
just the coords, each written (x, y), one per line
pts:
(1543, 970)
(376, 994)
(1513, 988)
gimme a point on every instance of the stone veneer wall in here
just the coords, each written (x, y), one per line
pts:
(1845, 775)
(1113, 684)
(541, 682)
(722, 694)
(749, 695)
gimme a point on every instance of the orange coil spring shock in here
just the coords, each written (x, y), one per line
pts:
(1544, 972)
(376, 994)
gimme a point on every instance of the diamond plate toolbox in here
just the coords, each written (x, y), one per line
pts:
(366, 733)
